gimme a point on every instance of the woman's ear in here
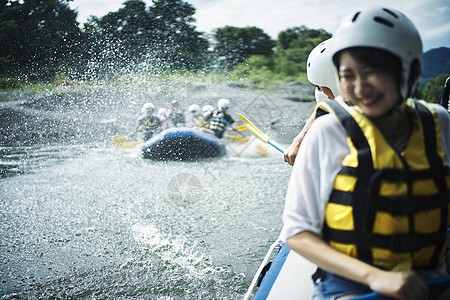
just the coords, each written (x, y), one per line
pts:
(414, 74)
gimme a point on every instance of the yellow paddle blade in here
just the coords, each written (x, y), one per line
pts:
(237, 138)
(253, 129)
(118, 138)
(262, 149)
(241, 127)
(123, 142)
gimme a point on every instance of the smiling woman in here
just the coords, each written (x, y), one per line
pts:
(372, 87)
(357, 204)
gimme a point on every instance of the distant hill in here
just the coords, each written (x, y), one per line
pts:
(435, 62)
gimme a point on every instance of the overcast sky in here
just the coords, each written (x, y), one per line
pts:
(431, 17)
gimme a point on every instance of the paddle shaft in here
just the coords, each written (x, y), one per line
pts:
(438, 284)
(145, 132)
(228, 123)
(275, 145)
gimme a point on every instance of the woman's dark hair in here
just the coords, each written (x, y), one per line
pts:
(378, 59)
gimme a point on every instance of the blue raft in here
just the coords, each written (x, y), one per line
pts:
(287, 277)
(183, 144)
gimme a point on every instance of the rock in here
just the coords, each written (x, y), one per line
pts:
(297, 91)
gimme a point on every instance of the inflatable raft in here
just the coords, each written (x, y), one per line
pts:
(183, 144)
(288, 276)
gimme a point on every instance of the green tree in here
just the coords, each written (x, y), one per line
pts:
(180, 45)
(120, 39)
(433, 89)
(156, 38)
(233, 45)
(38, 37)
(293, 48)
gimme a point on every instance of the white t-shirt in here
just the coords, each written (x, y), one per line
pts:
(318, 161)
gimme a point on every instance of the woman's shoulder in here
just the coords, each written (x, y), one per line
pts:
(442, 113)
(326, 122)
(326, 131)
(439, 109)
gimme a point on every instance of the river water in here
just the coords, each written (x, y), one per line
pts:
(81, 218)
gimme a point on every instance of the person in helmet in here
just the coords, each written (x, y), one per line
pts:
(193, 116)
(176, 115)
(207, 112)
(221, 119)
(148, 123)
(320, 72)
(162, 115)
(205, 117)
(368, 198)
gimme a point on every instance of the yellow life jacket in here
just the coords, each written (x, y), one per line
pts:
(150, 124)
(201, 122)
(387, 208)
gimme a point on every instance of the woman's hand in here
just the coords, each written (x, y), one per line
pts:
(405, 285)
(291, 152)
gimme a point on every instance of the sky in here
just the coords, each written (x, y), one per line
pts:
(431, 17)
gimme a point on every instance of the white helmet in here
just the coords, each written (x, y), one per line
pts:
(386, 29)
(147, 106)
(223, 104)
(319, 67)
(207, 108)
(194, 108)
(162, 111)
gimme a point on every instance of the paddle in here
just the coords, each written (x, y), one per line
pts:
(147, 132)
(261, 149)
(123, 142)
(228, 123)
(241, 127)
(434, 285)
(261, 136)
(237, 138)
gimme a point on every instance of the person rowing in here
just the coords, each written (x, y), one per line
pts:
(148, 123)
(221, 119)
(175, 114)
(193, 116)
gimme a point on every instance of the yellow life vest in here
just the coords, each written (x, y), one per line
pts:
(387, 208)
(201, 122)
(150, 124)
